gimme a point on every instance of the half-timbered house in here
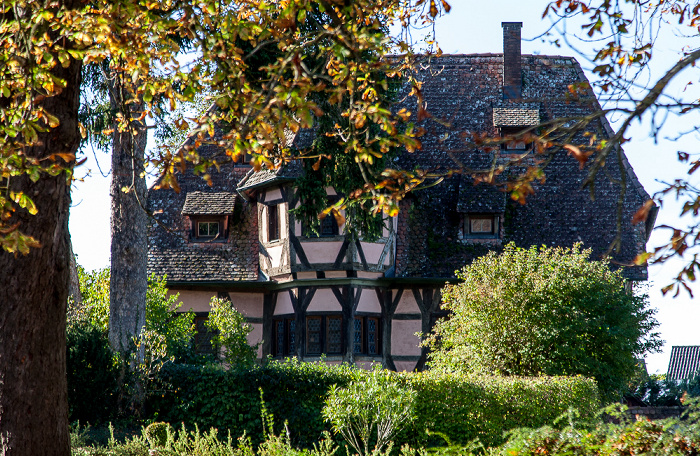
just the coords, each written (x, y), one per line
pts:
(351, 300)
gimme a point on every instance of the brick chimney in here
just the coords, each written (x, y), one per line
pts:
(512, 65)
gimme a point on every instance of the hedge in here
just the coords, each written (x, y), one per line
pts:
(461, 408)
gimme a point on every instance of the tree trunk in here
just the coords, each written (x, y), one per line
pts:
(128, 282)
(73, 278)
(33, 295)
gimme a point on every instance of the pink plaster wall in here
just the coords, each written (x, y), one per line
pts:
(284, 303)
(197, 301)
(372, 251)
(369, 301)
(368, 275)
(249, 304)
(324, 300)
(306, 275)
(404, 342)
(321, 251)
(407, 303)
(273, 194)
(255, 336)
(407, 366)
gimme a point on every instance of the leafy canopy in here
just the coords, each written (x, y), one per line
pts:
(543, 311)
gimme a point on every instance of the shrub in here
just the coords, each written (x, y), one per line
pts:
(670, 436)
(92, 371)
(460, 407)
(161, 311)
(157, 434)
(231, 332)
(543, 311)
(376, 403)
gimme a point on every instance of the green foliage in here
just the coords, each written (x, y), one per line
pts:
(231, 332)
(670, 436)
(195, 442)
(460, 407)
(543, 311)
(157, 434)
(92, 371)
(374, 403)
(656, 390)
(162, 316)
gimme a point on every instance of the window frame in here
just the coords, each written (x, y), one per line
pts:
(196, 220)
(365, 340)
(467, 226)
(274, 220)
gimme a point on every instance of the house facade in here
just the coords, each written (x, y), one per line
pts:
(351, 300)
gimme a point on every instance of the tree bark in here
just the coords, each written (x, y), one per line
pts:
(128, 280)
(33, 295)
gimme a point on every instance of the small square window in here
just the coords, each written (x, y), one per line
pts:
(207, 229)
(479, 225)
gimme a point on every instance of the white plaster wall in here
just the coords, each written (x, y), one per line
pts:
(323, 301)
(284, 303)
(321, 252)
(197, 301)
(275, 255)
(407, 303)
(404, 342)
(369, 301)
(249, 304)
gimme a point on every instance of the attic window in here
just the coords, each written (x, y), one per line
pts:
(481, 226)
(516, 144)
(207, 229)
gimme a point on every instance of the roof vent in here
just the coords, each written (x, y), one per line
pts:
(512, 65)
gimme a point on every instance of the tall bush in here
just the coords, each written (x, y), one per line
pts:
(543, 311)
(231, 333)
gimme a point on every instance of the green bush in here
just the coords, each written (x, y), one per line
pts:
(161, 311)
(544, 311)
(157, 434)
(92, 372)
(230, 333)
(375, 405)
(460, 407)
(645, 438)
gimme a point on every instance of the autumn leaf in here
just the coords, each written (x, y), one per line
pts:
(642, 212)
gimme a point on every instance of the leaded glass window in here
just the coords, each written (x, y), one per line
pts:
(334, 332)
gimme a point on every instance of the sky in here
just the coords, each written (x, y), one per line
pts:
(475, 27)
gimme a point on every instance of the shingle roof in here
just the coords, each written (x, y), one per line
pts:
(266, 177)
(173, 253)
(204, 203)
(465, 93)
(684, 363)
(515, 116)
(480, 198)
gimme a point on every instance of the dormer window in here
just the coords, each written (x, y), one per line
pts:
(207, 229)
(209, 215)
(480, 225)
